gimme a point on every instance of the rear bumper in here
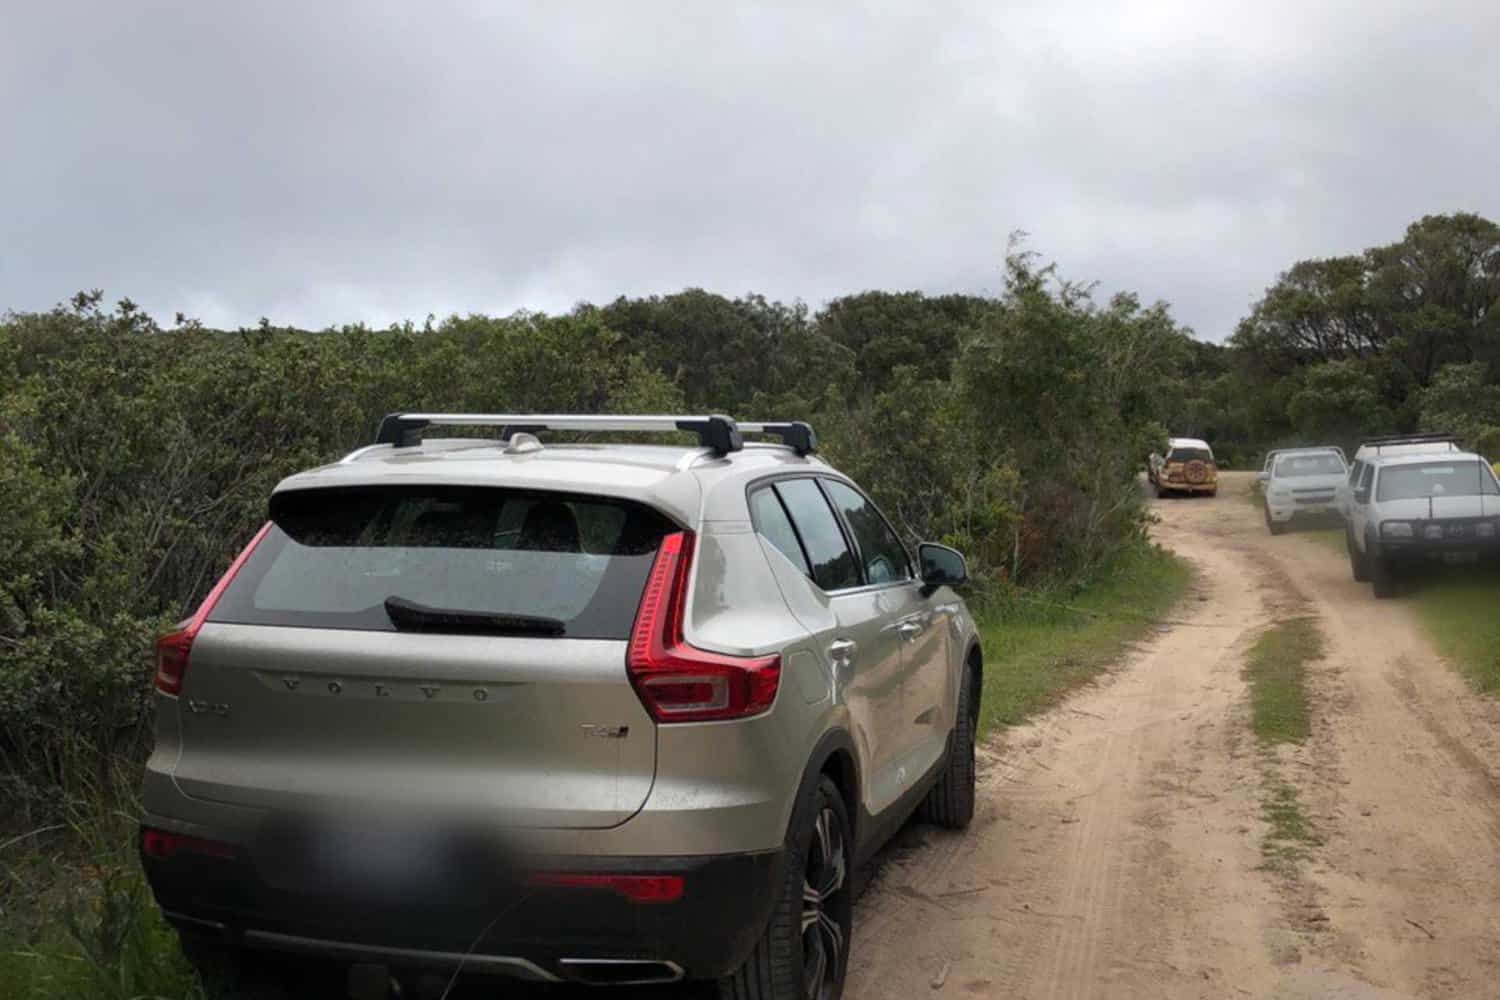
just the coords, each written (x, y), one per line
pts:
(1179, 486)
(498, 917)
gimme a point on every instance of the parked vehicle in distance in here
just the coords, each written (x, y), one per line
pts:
(1271, 455)
(1301, 484)
(1187, 467)
(602, 713)
(1413, 507)
(1396, 444)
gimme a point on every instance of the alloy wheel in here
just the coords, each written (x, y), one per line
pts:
(824, 908)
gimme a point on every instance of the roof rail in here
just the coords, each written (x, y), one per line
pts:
(715, 431)
(1395, 439)
(796, 434)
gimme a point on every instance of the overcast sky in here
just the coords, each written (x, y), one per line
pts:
(320, 162)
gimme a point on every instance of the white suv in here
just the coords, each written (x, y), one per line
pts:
(1301, 483)
(1400, 444)
(1414, 507)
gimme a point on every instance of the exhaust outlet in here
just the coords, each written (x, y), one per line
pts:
(619, 971)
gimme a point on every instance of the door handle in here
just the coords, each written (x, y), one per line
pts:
(841, 652)
(909, 630)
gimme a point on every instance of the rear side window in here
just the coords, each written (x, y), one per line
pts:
(833, 565)
(884, 556)
(495, 560)
(1190, 455)
(771, 520)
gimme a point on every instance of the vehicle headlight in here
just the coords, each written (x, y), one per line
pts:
(1396, 529)
(1433, 532)
(1485, 529)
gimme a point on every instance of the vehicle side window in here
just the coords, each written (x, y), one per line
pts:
(1355, 471)
(1366, 477)
(884, 556)
(771, 520)
(833, 565)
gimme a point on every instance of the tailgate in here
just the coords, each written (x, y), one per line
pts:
(534, 731)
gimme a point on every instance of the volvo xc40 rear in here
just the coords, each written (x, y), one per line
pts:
(605, 713)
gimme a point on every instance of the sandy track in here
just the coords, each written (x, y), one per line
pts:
(1117, 848)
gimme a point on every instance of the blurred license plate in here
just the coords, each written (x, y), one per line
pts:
(1454, 558)
(1317, 508)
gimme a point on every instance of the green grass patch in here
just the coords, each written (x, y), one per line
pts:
(1276, 668)
(1289, 830)
(1044, 643)
(1458, 610)
(77, 920)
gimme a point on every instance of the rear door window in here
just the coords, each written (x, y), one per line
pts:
(833, 563)
(882, 553)
(771, 520)
(1190, 455)
(444, 558)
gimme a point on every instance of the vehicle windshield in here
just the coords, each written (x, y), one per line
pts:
(1190, 455)
(1294, 466)
(448, 559)
(1436, 479)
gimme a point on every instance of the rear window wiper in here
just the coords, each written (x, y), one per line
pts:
(409, 616)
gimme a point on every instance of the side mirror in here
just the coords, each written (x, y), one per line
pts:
(941, 565)
(1264, 477)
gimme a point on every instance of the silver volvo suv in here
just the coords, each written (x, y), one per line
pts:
(592, 712)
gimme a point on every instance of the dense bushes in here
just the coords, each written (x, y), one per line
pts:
(134, 460)
(1401, 337)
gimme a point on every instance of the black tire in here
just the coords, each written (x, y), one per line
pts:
(1382, 579)
(803, 929)
(950, 803)
(1275, 529)
(1359, 562)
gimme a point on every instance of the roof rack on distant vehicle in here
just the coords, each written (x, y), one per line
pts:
(717, 432)
(1395, 439)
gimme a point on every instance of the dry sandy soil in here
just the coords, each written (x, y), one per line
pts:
(1117, 851)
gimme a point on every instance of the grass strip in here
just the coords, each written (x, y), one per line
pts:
(1276, 668)
(1039, 649)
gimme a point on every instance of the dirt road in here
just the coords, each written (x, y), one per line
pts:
(1117, 851)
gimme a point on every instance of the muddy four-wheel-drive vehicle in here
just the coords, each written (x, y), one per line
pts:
(1187, 467)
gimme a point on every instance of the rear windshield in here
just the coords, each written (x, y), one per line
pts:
(1293, 466)
(1436, 479)
(1190, 455)
(448, 559)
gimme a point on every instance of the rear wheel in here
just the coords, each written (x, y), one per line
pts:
(804, 952)
(951, 801)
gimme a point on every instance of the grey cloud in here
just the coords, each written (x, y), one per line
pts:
(318, 163)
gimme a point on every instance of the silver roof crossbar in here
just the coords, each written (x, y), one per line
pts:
(796, 434)
(715, 431)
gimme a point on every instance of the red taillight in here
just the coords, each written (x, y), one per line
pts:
(164, 845)
(636, 888)
(678, 682)
(173, 648)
